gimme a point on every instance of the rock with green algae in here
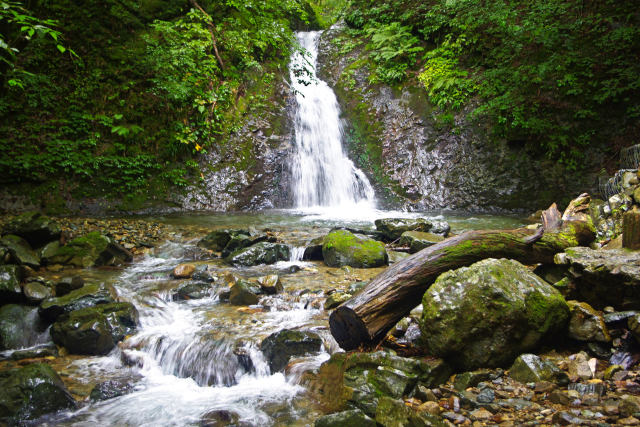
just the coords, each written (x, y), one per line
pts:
(36, 228)
(20, 250)
(87, 296)
(418, 240)
(280, 346)
(19, 326)
(30, 392)
(586, 324)
(270, 284)
(244, 292)
(10, 290)
(394, 413)
(350, 418)
(486, 314)
(392, 228)
(95, 330)
(359, 379)
(529, 368)
(36, 292)
(335, 299)
(260, 253)
(192, 290)
(341, 248)
(91, 250)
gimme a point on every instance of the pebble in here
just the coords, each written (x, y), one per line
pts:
(481, 414)
(430, 407)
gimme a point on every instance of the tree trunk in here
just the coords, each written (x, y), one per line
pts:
(365, 319)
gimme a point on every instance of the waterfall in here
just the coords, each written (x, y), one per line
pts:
(323, 176)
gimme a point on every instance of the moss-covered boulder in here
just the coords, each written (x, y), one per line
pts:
(529, 368)
(260, 253)
(244, 293)
(587, 324)
(68, 284)
(280, 346)
(487, 314)
(87, 296)
(20, 251)
(19, 326)
(392, 228)
(91, 250)
(95, 330)
(10, 290)
(36, 228)
(30, 392)
(358, 380)
(341, 247)
(418, 240)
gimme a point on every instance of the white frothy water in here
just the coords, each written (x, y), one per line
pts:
(323, 175)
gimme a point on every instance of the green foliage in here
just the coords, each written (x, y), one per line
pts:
(393, 49)
(552, 74)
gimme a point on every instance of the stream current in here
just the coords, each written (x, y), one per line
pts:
(198, 362)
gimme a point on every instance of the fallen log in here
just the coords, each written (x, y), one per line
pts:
(365, 319)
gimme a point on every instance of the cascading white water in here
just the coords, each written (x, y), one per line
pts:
(323, 176)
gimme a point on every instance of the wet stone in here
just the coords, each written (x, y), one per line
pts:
(36, 292)
(529, 368)
(565, 418)
(335, 299)
(10, 290)
(219, 418)
(392, 228)
(113, 388)
(280, 346)
(68, 284)
(192, 290)
(471, 378)
(350, 418)
(270, 284)
(244, 293)
(486, 396)
(183, 271)
(586, 324)
(20, 250)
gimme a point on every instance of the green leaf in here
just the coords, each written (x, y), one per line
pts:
(61, 48)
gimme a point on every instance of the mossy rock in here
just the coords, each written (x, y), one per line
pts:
(487, 314)
(192, 290)
(91, 250)
(10, 290)
(95, 330)
(418, 240)
(36, 292)
(19, 326)
(30, 392)
(529, 368)
(260, 253)
(392, 228)
(34, 227)
(280, 346)
(217, 240)
(20, 250)
(87, 296)
(341, 247)
(244, 293)
(587, 324)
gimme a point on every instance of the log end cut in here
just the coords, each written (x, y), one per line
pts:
(348, 329)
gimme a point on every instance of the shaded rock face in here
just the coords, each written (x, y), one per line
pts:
(603, 277)
(360, 380)
(341, 247)
(280, 346)
(487, 314)
(87, 296)
(20, 251)
(417, 161)
(19, 326)
(34, 227)
(95, 330)
(30, 392)
(10, 290)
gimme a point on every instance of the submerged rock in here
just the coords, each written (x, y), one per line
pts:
(487, 314)
(280, 346)
(604, 277)
(392, 228)
(91, 250)
(10, 290)
(417, 240)
(88, 296)
(95, 330)
(342, 247)
(36, 292)
(34, 227)
(112, 388)
(260, 253)
(20, 250)
(30, 392)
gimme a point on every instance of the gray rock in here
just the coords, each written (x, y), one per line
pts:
(604, 277)
(19, 326)
(192, 290)
(88, 296)
(392, 228)
(36, 292)
(586, 324)
(112, 388)
(529, 368)
(487, 314)
(280, 346)
(351, 418)
(260, 253)
(417, 240)
(10, 290)
(270, 284)
(464, 380)
(217, 240)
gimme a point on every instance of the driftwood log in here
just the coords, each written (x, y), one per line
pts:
(365, 319)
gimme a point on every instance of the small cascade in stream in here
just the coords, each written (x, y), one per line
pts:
(323, 175)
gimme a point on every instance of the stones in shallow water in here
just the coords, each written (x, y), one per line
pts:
(30, 392)
(36, 292)
(19, 326)
(280, 346)
(270, 284)
(586, 324)
(529, 368)
(260, 253)
(244, 293)
(343, 248)
(68, 284)
(335, 299)
(392, 228)
(487, 314)
(417, 240)
(192, 290)
(183, 271)
(87, 296)
(95, 330)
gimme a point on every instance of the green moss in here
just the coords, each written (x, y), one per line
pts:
(341, 248)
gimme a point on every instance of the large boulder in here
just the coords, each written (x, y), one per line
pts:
(91, 250)
(418, 240)
(10, 290)
(360, 379)
(260, 253)
(37, 229)
(487, 314)
(280, 346)
(19, 326)
(604, 277)
(95, 330)
(392, 228)
(87, 296)
(341, 247)
(30, 392)
(20, 250)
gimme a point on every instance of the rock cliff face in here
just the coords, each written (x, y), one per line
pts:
(418, 161)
